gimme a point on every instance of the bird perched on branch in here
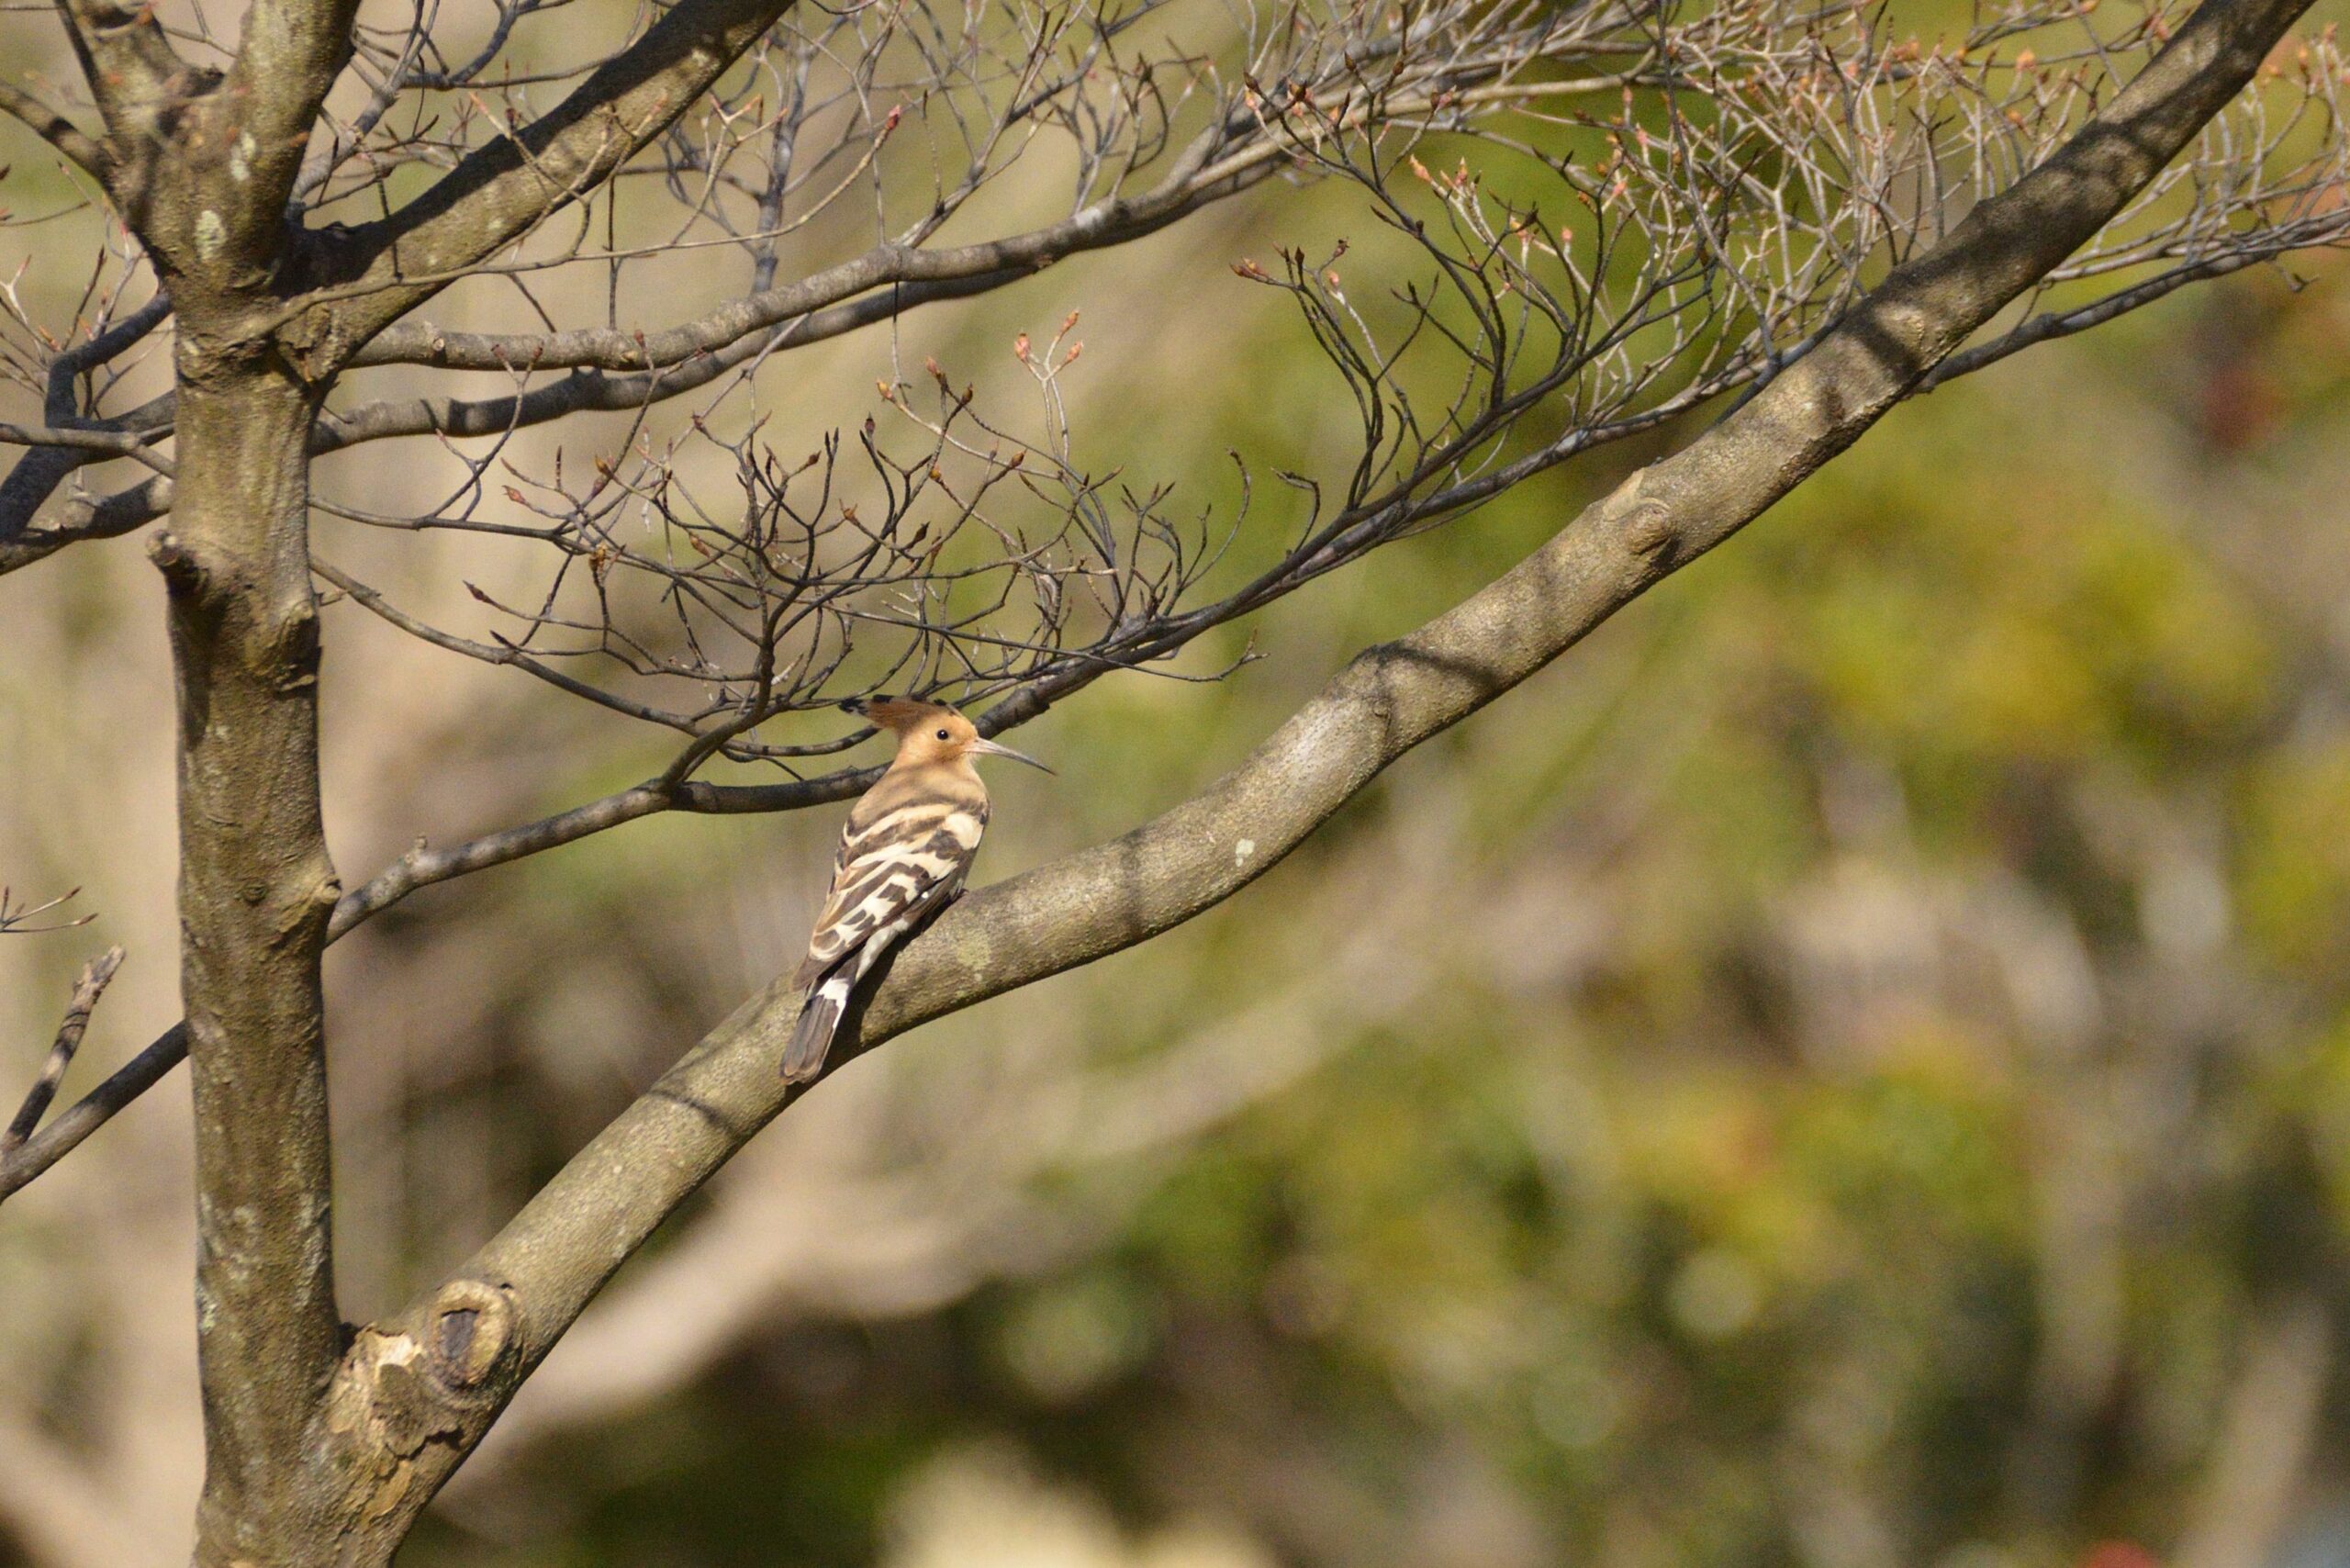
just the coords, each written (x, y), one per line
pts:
(904, 854)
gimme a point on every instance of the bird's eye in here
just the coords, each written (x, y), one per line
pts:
(942, 734)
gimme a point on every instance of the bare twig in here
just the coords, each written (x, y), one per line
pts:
(12, 921)
(86, 992)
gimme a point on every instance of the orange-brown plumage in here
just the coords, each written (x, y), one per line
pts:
(905, 853)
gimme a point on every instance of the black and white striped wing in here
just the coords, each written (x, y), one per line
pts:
(889, 872)
(888, 875)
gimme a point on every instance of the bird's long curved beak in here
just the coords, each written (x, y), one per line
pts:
(991, 749)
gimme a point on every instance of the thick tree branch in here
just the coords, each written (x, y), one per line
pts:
(461, 1352)
(132, 69)
(287, 59)
(164, 123)
(200, 166)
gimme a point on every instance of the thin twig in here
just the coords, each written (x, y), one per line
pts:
(86, 992)
(12, 921)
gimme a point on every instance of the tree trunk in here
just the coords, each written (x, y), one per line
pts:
(255, 889)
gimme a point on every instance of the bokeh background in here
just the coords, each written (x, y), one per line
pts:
(1852, 1066)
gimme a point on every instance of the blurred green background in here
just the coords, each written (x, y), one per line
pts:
(1852, 1066)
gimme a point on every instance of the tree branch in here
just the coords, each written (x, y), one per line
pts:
(501, 192)
(71, 141)
(92, 1111)
(99, 517)
(38, 473)
(12, 921)
(589, 392)
(1212, 168)
(92, 985)
(287, 59)
(132, 69)
(422, 868)
(1106, 224)
(107, 444)
(2049, 325)
(462, 1350)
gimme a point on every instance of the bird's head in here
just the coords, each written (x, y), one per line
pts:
(930, 733)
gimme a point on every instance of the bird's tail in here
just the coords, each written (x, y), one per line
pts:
(820, 1014)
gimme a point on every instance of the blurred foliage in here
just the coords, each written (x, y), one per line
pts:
(1884, 1057)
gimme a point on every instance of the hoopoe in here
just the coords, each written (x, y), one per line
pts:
(906, 849)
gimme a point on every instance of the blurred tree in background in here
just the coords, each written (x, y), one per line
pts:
(1847, 1092)
(1845, 1071)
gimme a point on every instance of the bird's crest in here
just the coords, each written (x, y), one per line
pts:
(898, 713)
